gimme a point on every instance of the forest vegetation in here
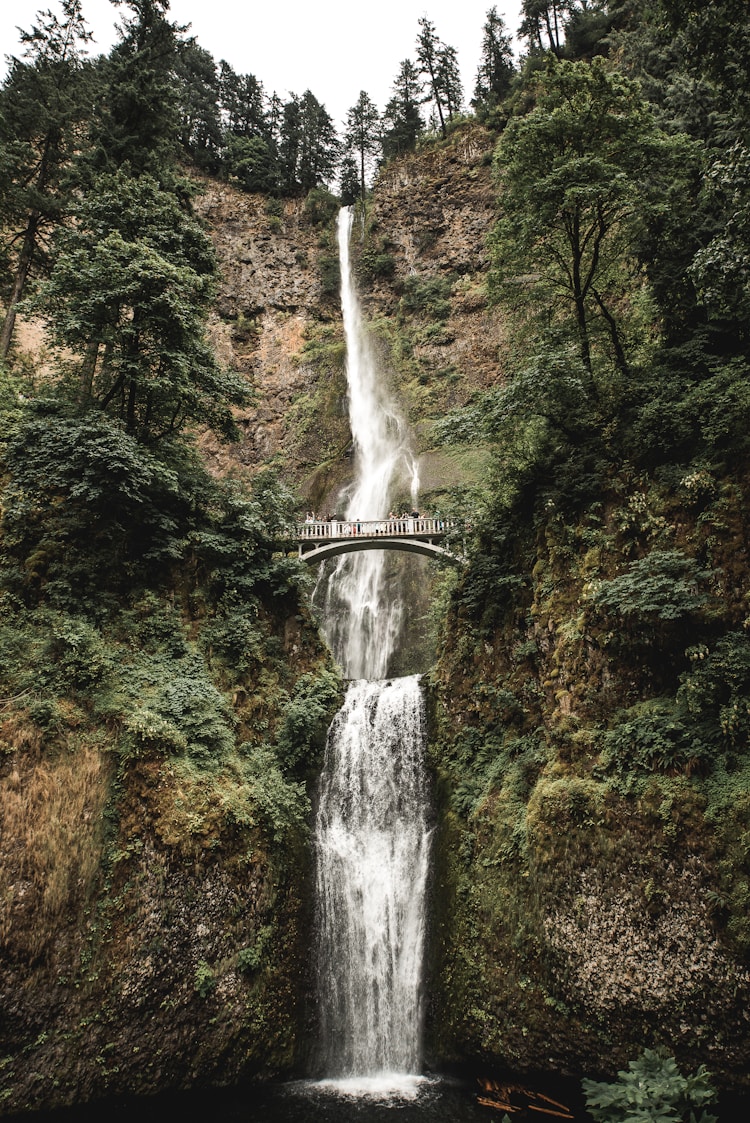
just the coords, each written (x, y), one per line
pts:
(162, 679)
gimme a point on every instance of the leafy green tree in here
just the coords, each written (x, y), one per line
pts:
(85, 504)
(137, 117)
(721, 270)
(128, 295)
(579, 176)
(717, 39)
(362, 135)
(402, 121)
(42, 104)
(496, 69)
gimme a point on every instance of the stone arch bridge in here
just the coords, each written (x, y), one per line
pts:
(317, 540)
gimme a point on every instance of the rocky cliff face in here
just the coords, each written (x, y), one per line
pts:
(277, 322)
(421, 256)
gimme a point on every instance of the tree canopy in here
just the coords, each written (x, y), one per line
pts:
(579, 176)
(128, 294)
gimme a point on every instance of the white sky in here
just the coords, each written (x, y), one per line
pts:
(333, 47)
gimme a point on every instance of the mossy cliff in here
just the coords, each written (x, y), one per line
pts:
(589, 739)
(154, 857)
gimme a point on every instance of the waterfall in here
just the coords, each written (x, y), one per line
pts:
(361, 623)
(373, 841)
(371, 833)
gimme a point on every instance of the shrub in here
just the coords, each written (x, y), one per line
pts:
(204, 981)
(652, 1090)
(283, 804)
(661, 586)
(321, 206)
(306, 718)
(427, 296)
(375, 264)
(652, 735)
(330, 275)
(716, 690)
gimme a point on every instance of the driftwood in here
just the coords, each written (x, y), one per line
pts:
(512, 1098)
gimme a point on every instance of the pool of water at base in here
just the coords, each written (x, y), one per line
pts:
(428, 1099)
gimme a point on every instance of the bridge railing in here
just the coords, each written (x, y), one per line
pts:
(323, 530)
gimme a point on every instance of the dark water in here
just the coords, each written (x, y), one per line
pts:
(436, 1100)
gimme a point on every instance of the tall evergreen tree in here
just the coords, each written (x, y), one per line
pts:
(128, 295)
(438, 63)
(200, 125)
(362, 135)
(449, 76)
(137, 119)
(348, 181)
(308, 146)
(242, 102)
(543, 24)
(496, 68)
(428, 57)
(402, 120)
(42, 104)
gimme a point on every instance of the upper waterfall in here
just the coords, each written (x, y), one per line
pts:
(361, 623)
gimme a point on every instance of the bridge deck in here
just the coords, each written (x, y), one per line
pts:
(430, 530)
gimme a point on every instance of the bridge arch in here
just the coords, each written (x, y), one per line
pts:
(320, 539)
(319, 553)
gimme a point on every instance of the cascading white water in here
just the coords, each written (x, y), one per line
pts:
(362, 623)
(372, 835)
(373, 841)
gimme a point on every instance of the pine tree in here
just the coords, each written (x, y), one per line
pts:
(308, 146)
(242, 102)
(543, 24)
(439, 64)
(200, 125)
(137, 119)
(362, 134)
(428, 57)
(128, 296)
(496, 69)
(402, 120)
(42, 104)
(348, 181)
(449, 77)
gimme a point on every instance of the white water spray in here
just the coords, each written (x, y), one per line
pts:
(372, 836)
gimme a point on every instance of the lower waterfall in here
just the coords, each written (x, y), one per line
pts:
(373, 840)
